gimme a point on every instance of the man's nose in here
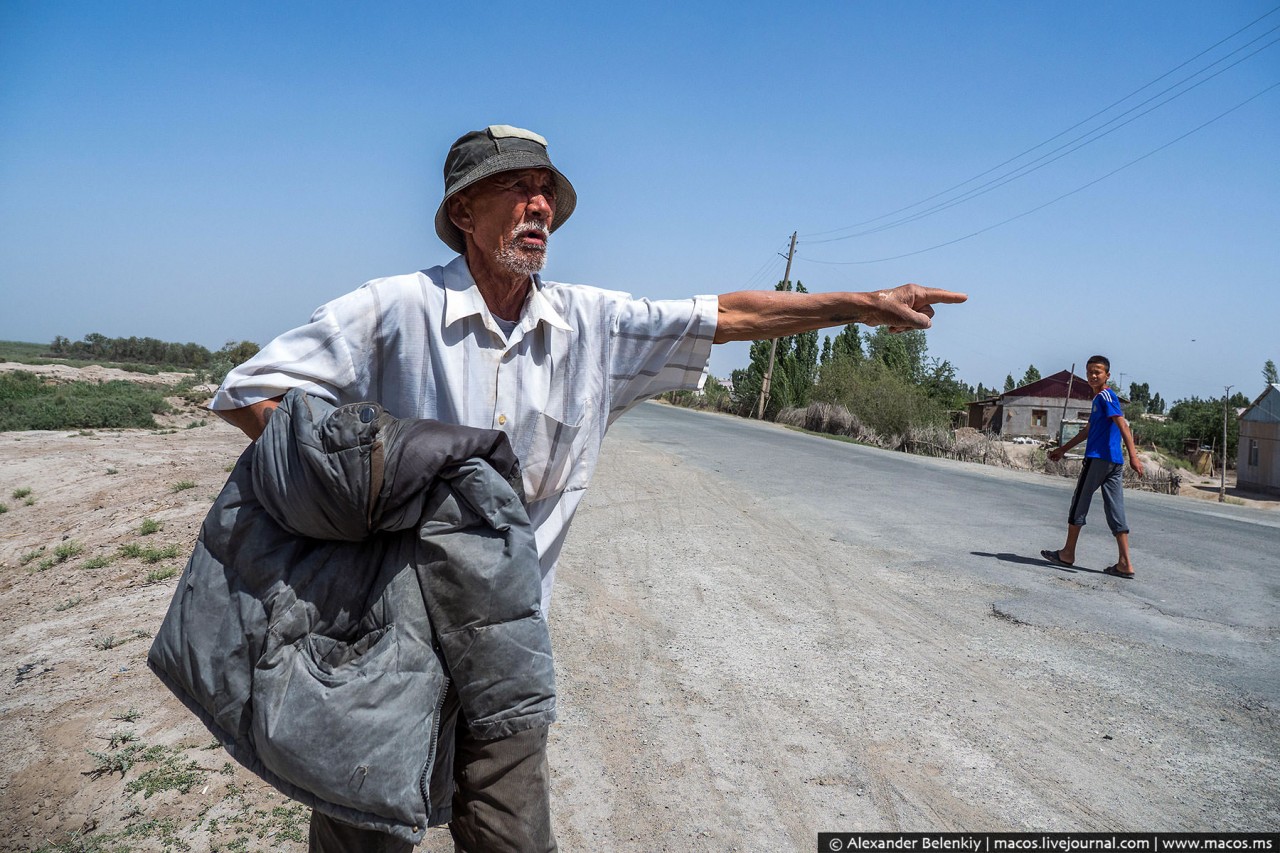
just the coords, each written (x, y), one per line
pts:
(539, 206)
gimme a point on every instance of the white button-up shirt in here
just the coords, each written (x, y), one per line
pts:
(425, 345)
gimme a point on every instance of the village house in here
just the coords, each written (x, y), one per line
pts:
(1258, 459)
(1035, 410)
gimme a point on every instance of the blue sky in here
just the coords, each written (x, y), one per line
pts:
(213, 172)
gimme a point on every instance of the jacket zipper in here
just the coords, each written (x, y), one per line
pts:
(424, 784)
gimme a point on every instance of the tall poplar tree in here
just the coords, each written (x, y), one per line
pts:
(795, 367)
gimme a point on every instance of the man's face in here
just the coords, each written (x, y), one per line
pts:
(1097, 374)
(509, 217)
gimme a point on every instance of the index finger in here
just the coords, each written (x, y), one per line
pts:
(934, 295)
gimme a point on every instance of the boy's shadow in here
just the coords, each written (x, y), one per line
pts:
(1035, 561)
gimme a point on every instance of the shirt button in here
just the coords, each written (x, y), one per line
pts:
(502, 420)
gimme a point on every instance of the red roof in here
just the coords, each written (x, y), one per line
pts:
(1054, 386)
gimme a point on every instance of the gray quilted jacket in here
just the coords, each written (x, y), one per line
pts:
(351, 567)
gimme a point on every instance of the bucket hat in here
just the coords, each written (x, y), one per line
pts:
(497, 148)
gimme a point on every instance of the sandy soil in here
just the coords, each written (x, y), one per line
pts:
(95, 749)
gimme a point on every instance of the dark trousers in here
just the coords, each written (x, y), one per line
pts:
(501, 797)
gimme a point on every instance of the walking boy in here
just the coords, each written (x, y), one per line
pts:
(1103, 466)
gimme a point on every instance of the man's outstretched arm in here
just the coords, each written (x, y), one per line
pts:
(753, 315)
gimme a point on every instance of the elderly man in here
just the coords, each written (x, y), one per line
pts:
(484, 341)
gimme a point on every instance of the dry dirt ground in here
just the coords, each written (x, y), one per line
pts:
(97, 756)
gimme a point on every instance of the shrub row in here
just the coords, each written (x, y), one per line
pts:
(26, 402)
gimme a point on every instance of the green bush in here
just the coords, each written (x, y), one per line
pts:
(882, 400)
(28, 403)
(714, 396)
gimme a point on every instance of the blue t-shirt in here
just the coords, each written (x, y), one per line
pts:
(1104, 439)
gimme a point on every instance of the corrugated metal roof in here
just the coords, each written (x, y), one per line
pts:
(1265, 409)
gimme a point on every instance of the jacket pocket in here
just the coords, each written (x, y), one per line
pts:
(350, 722)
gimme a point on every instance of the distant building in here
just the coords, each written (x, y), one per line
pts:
(1035, 410)
(1258, 459)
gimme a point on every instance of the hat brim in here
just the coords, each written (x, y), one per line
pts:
(507, 161)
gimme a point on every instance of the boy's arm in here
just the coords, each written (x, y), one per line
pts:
(1058, 453)
(1127, 435)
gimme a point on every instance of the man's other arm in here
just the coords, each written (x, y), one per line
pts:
(753, 315)
(251, 420)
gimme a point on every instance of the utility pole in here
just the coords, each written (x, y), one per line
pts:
(773, 345)
(1065, 403)
(1222, 483)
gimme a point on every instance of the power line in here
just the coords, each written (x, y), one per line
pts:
(1061, 133)
(762, 273)
(1028, 168)
(1061, 197)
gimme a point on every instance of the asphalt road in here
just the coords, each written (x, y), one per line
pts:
(762, 634)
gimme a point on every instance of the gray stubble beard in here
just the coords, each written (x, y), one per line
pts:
(522, 261)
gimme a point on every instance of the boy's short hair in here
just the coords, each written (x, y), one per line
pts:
(1099, 359)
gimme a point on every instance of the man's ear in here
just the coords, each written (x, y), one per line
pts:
(459, 212)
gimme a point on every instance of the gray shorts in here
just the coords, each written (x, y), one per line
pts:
(1110, 476)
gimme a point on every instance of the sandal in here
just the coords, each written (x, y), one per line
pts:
(1052, 557)
(1114, 571)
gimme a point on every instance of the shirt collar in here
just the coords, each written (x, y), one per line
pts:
(463, 299)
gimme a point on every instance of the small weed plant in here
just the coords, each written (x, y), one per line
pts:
(171, 773)
(120, 760)
(133, 550)
(161, 574)
(110, 641)
(19, 494)
(148, 526)
(67, 550)
(120, 738)
(99, 562)
(63, 552)
(183, 485)
(68, 604)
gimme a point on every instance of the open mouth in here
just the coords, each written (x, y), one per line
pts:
(531, 237)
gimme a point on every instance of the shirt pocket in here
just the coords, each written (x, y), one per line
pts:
(551, 464)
